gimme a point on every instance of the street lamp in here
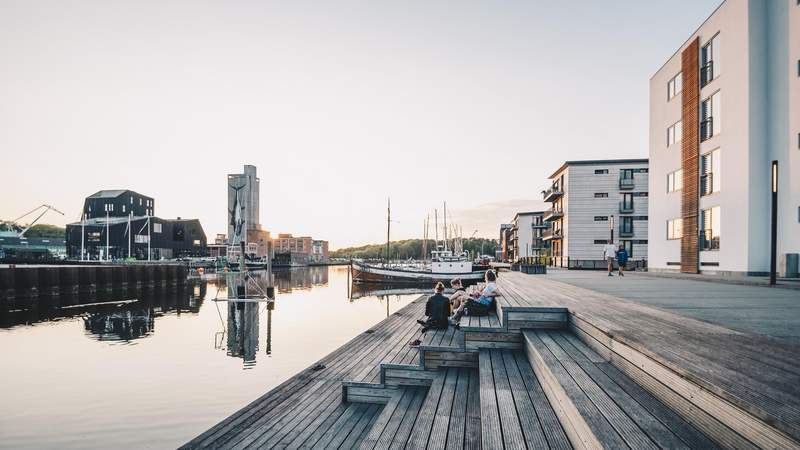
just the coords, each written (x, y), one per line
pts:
(611, 226)
(774, 225)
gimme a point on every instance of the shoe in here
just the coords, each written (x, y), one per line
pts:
(414, 343)
(609, 274)
(452, 322)
(421, 322)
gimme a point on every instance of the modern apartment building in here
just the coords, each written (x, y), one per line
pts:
(503, 245)
(722, 109)
(526, 236)
(594, 201)
(299, 250)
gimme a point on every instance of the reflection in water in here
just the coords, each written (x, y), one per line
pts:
(122, 325)
(313, 316)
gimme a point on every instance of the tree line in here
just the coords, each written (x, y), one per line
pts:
(412, 248)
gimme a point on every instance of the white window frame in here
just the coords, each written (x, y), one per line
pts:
(675, 133)
(674, 229)
(675, 86)
(675, 181)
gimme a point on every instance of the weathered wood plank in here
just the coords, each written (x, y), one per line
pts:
(491, 430)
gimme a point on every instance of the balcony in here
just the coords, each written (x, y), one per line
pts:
(540, 225)
(706, 183)
(706, 73)
(552, 194)
(626, 183)
(552, 214)
(625, 232)
(706, 129)
(550, 235)
(625, 207)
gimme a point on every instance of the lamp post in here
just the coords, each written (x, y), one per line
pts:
(774, 226)
(611, 226)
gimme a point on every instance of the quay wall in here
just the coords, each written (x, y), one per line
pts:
(33, 281)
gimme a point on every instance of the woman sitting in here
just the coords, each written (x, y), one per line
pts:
(479, 304)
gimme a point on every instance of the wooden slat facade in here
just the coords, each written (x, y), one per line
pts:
(690, 155)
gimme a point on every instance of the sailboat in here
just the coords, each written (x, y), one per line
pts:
(445, 265)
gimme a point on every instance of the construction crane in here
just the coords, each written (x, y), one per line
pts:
(46, 208)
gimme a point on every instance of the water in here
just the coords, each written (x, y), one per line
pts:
(157, 372)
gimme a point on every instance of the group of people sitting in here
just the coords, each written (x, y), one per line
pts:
(443, 311)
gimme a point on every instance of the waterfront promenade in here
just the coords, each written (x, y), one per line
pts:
(557, 366)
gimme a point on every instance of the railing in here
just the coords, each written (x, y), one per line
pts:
(625, 232)
(626, 183)
(706, 183)
(552, 193)
(625, 207)
(551, 234)
(707, 129)
(552, 213)
(706, 73)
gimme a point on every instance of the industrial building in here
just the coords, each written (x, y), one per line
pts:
(121, 224)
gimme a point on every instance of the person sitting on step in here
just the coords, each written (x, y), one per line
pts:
(437, 309)
(481, 303)
(459, 296)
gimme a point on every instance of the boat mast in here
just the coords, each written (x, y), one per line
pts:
(436, 227)
(388, 225)
(445, 226)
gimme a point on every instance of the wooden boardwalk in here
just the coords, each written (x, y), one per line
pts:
(556, 366)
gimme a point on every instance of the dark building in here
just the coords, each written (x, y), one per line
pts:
(126, 233)
(118, 203)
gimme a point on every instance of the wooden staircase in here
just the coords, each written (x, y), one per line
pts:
(530, 377)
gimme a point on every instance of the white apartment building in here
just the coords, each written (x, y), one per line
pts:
(594, 201)
(722, 108)
(526, 241)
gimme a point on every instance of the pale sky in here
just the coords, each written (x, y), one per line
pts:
(339, 104)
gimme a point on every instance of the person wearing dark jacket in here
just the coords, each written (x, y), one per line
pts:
(437, 308)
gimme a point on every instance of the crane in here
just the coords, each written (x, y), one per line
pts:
(46, 208)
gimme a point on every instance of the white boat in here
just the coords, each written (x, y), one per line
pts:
(444, 266)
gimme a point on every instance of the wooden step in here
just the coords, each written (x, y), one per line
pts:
(444, 415)
(600, 407)
(515, 413)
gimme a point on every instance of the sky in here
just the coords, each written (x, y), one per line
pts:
(340, 105)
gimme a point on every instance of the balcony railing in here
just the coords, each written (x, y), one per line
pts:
(706, 73)
(707, 129)
(551, 234)
(552, 214)
(626, 183)
(625, 232)
(706, 183)
(540, 225)
(552, 194)
(625, 207)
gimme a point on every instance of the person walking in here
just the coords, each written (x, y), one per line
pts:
(609, 253)
(622, 259)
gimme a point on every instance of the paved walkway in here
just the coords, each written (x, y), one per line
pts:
(754, 309)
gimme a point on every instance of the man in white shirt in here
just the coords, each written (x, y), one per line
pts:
(610, 253)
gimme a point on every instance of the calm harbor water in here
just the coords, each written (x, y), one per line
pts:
(156, 372)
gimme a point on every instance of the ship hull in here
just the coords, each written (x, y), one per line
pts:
(363, 273)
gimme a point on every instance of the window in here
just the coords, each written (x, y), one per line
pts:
(628, 246)
(140, 202)
(123, 208)
(626, 226)
(627, 202)
(709, 173)
(600, 194)
(675, 86)
(140, 239)
(156, 228)
(709, 229)
(710, 61)
(675, 133)
(626, 174)
(675, 181)
(131, 199)
(710, 117)
(601, 241)
(600, 171)
(600, 218)
(675, 229)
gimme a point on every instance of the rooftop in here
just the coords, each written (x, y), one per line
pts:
(592, 162)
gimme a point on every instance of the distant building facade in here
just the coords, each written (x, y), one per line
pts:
(503, 247)
(299, 250)
(113, 229)
(590, 201)
(526, 236)
(722, 109)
